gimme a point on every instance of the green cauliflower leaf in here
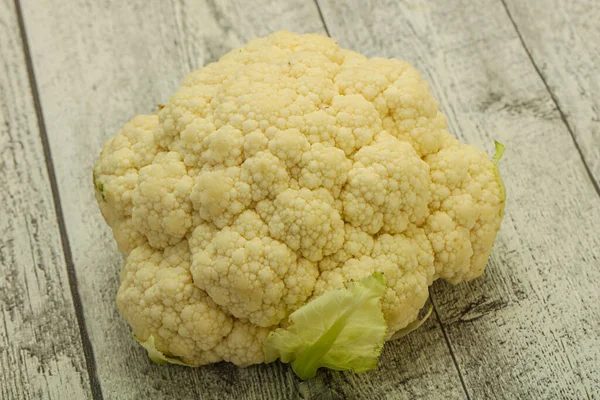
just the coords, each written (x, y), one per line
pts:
(156, 355)
(342, 329)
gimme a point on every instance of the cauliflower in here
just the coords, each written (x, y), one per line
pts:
(271, 181)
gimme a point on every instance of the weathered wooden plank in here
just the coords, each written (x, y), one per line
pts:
(563, 39)
(98, 63)
(41, 352)
(528, 328)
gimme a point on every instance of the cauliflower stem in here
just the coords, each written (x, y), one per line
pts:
(413, 326)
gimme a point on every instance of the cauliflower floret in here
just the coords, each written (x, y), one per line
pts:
(405, 105)
(324, 167)
(127, 236)
(223, 147)
(255, 142)
(191, 106)
(244, 344)
(250, 274)
(157, 297)
(283, 171)
(307, 222)
(356, 244)
(265, 174)
(388, 187)
(219, 196)
(414, 113)
(356, 122)
(161, 200)
(290, 146)
(116, 174)
(466, 211)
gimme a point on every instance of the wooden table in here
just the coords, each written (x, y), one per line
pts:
(524, 72)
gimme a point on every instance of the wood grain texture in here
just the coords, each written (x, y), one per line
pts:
(41, 353)
(529, 327)
(563, 39)
(98, 63)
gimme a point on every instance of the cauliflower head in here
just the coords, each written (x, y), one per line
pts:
(286, 170)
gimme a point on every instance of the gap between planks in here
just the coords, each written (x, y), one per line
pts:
(563, 117)
(72, 278)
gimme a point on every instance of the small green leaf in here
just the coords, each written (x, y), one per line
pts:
(156, 355)
(342, 329)
(497, 156)
(99, 186)
(412, 326)
(499, 151)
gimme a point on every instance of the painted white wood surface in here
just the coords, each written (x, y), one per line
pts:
(563, 40)
(529, 327)
(41, 355)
